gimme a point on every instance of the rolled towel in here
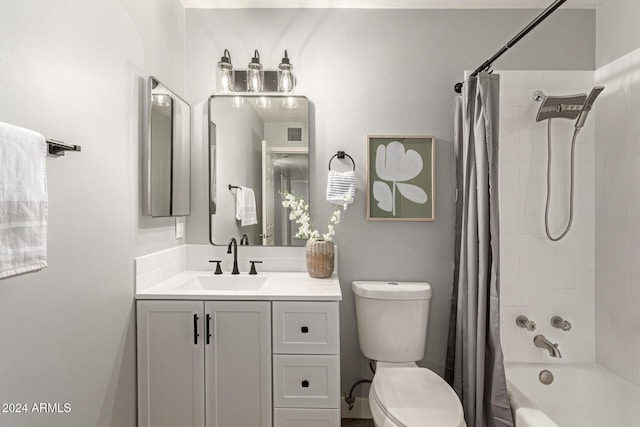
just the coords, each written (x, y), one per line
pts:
(23, 201)
(341, 187)
(246, 206)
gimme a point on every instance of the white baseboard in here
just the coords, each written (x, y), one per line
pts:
(360, 409)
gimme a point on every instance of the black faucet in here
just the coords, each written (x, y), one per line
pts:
(245, 240)
(235, 254)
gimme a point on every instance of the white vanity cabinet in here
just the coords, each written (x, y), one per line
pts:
(306, 364)
(204, 363)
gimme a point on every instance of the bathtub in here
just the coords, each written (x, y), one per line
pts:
(581, 395)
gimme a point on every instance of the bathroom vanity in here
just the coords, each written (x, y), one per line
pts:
(240, 350)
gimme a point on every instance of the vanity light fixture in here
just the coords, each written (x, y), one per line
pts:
(286, 78)
(225, 76)
(255, 74)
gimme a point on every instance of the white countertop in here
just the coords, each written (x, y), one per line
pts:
(277, 286)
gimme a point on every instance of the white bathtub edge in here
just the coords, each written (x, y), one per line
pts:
(525, 412)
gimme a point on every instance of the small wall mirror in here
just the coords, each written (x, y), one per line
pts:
(167, 153)
(260, 143)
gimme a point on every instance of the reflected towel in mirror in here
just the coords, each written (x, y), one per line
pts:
(246, 206)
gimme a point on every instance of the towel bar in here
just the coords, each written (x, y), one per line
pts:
(232, 186)
(57, 148)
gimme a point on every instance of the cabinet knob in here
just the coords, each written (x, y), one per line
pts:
(305, 383)
(304, 330)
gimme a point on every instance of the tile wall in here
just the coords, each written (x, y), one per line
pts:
(617, 153)
(540, 278)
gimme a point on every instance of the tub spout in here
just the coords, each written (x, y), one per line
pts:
(542, 342)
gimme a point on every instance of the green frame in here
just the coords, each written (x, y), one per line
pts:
(400, 178)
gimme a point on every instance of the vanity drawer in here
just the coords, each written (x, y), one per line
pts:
(305, 327)
(306, 417)
(306, 381)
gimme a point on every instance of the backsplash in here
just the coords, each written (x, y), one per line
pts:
(275, 258)
(154, 268)
(540, 278)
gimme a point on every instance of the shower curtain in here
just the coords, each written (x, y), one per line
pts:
(474, 364)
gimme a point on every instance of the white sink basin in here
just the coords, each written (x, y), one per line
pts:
(224, 283)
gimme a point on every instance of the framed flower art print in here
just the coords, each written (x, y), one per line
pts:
(400, 178)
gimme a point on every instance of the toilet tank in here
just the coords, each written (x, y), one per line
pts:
(392, 319)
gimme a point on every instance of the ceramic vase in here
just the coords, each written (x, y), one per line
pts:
(320, 258)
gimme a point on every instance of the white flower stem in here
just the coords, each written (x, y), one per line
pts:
(393, 198)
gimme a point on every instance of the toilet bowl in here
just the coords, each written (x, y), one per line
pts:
(405, 395)
(392, 324)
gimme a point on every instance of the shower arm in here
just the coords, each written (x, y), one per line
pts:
(487, 64)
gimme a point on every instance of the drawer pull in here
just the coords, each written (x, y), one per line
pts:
(305, 384)
(304, 329)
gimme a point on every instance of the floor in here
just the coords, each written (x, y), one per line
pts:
(354, 422)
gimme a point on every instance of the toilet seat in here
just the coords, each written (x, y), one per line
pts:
(414, 397)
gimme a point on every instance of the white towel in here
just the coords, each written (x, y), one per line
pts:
(23, 201)
(341, 187)
(246, 206)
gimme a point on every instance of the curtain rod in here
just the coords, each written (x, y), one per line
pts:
(487, 64)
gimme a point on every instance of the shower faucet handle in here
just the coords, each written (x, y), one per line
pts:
(560, 323)
(524, 322)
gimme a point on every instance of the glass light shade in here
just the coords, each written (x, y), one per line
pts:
(255, 77)
(236, 102)
(289, 103)
(225, 77)
(263, 102)
(286, 78)
(161, 100)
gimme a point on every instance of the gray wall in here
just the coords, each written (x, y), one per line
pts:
(377, 72)
(617, 29)
(73, 70)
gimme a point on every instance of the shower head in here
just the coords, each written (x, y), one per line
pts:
(559, 107)
(588, 104)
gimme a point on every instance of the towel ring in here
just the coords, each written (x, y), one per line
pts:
(340, 155)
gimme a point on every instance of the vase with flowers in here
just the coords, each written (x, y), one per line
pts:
(320, 250)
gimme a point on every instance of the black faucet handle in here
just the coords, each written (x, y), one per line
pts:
(218, 268)
(253, 271)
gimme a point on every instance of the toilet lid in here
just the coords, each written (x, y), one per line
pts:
(411, 396)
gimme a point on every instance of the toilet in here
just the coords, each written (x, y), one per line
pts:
(392, 330)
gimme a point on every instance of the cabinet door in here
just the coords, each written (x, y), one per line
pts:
(238, 364)
(170, 364)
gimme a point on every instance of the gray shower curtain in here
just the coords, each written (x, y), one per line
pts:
(474, 364)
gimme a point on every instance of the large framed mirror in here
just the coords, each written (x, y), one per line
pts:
(258, 149)
(167, 154)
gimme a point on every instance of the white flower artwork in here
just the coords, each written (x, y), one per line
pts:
(396, 165)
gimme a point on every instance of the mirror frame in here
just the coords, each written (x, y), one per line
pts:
(211, 129)
(184, 172)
